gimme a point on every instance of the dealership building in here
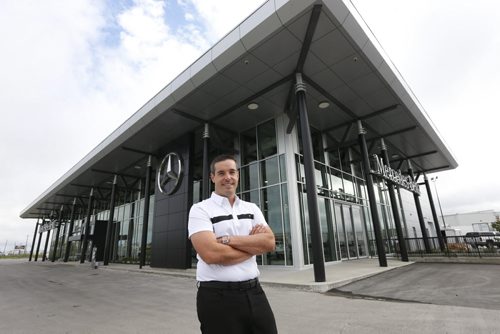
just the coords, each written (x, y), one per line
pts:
(331, 142)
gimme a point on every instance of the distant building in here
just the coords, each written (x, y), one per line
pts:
(477, 221)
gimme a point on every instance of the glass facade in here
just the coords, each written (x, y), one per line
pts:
(345, 225)
(263, 182)
(126, 230)
(345, 220)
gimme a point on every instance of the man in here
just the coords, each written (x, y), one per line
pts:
(227, 233)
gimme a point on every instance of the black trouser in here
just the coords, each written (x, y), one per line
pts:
(234, 307)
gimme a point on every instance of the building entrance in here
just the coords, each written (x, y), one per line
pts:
(351, 230)
(343, 230)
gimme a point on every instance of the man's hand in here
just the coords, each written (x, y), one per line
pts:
(260, 241)
(259, 229)
(213, 252)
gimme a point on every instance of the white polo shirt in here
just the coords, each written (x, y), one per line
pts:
(217, 215)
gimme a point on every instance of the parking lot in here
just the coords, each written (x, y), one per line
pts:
(72, 298)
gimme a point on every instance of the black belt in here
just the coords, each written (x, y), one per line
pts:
(243, 285)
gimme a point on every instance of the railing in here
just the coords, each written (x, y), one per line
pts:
(454, 247)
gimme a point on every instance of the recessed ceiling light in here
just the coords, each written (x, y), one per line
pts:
(395, 156)
(323, 104)
(253, 105)
(137, 167)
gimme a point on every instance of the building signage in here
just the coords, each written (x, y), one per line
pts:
(47, 226)
(394, 176)
(170, 173)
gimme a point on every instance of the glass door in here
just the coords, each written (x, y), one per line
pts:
(349, 231)
(327, 230)
(339, 220)
(351, 234)
(357, 219)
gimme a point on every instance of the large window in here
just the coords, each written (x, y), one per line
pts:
(341, 202)
(263, 182)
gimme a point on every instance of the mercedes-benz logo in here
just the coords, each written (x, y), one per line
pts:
(170, 173)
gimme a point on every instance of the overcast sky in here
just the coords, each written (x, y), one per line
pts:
(72, 71)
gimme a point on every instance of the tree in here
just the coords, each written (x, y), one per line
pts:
(496, 225)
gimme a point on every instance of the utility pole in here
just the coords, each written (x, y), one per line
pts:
(434, 179)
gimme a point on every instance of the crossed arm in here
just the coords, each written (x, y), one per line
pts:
(240, 247)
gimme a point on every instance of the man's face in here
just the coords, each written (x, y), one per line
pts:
(225, 178)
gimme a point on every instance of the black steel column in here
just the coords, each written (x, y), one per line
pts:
(39, 241)
(382, 259)
(416, 197)
(58, 231)
(34, 238)
(144, 240)
(312, 196)
(87, 227)
(434, 214)
(131, 225)
(394, 206)
(70, 230)
(44, 256)
(206, 167)
(107, 243)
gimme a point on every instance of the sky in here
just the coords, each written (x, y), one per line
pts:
(72, 71)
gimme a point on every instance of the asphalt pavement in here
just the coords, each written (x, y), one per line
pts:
(469, 285)
(45, 297)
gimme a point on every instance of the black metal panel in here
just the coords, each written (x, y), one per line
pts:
(170, 246)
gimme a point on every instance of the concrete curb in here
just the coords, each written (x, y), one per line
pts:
(471, 260)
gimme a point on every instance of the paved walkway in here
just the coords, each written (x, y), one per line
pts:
(337, 274)
(53, 298)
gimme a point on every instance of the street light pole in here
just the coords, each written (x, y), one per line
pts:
(434, 179)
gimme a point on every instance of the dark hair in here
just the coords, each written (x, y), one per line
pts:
(220, 158)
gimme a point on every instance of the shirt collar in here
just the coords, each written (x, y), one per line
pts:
(223, 201)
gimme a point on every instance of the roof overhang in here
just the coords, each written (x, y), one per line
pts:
(340, 61)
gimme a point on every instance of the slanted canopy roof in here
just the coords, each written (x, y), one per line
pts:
(340, 63)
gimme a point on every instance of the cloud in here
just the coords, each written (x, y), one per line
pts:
(73, 71)
(219, 17)
(448, 52)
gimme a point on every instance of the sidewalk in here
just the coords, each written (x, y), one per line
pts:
(337, 274)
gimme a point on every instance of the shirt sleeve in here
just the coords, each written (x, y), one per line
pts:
(199, 220)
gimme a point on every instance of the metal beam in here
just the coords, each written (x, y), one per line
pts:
(70, 230)
(434, 214)
(144, 239)
(201, 121)
(378, 137)
(306, 43)
(420, 215)
(87, 227)
(34, 238)
(382, 259)
(253, 97)
(137, 151)
(58, 231)
(107, 243)
(394, 206)
(362, 118)
(113, 173)
(348, 111)
(414, 156)
(311, 192)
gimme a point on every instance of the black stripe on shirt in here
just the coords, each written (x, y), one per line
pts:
(246, 216)
(220, 218)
